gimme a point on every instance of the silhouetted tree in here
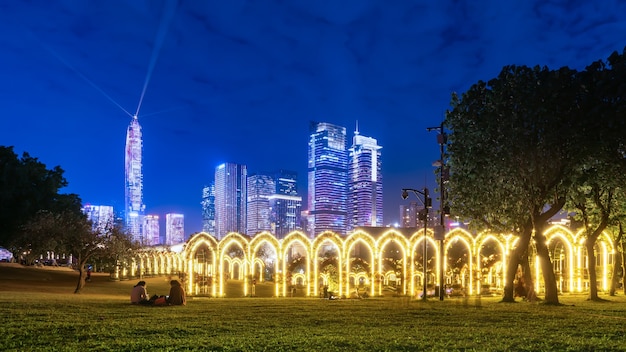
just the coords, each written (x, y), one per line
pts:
(27, 187)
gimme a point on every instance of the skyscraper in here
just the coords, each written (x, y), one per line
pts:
(134, 207)
(208, 208)
(152, 231)
(174, 229)
(285, 204)
(260, 188)
(230, 199)
(328, 177)
(101, 216)
(409, 215)
(365, 183)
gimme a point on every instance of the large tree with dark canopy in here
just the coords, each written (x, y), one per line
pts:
(27, 187)
(597, 198)
(514, 143)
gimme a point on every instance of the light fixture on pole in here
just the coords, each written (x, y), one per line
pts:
(442, 139)
(423, 215)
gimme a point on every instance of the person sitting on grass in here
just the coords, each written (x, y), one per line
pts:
(139, 295)
(177, 294)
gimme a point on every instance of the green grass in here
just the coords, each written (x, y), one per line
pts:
(40, 313)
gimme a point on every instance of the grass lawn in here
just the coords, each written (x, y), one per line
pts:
(39, 312)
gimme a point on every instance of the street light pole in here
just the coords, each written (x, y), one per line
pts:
(441, 140)
(427, 203)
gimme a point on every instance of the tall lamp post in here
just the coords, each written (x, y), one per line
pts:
(443, 208)
(423, 215)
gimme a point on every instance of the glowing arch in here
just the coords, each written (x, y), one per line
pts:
(293, 238)
(335, 240)
(387, 238)
(358, 236)
(240, 241)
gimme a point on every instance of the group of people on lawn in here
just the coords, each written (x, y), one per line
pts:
(177, 297)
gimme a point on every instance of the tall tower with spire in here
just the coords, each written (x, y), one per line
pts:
(365, 185)
(134, 207)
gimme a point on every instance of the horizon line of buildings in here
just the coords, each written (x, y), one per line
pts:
(345, 191)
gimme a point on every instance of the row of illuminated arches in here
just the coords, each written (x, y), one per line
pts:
(472, 262)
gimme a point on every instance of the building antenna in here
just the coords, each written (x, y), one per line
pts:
(357, 127)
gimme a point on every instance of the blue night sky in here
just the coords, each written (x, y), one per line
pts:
(239, 81)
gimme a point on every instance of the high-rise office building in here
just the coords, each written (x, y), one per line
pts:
(134, 207)
(285, 204)
(151, 230)
(208, 208)
(259, 189)
(409, 215)
(365, 186)
(174, 229)
(230, 199)
(327, 179)
(101, 216)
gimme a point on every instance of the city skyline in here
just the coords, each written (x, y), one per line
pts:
(239, 82)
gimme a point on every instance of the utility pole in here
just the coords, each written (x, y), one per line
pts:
(440, 231)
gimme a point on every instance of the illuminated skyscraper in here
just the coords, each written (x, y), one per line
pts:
(285, 204)
(365, 183)
(409, 215)
(101, 216)
(151, 229)
(134, 207)
(208, 209)
(174, 229)
(259, 190)
(328, 177)
(230, 199)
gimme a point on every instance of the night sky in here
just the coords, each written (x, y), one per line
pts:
(239, 81)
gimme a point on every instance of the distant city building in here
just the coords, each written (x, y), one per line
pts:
(327, 179)
(101, 216)
(174, 229)
(365, 186)
(409, 215)
(208, 208)
(285, 204)
(134, 207)
(230, 199)
(260, 188)
(151, 229)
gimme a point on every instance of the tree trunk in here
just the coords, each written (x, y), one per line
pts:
(514, 260)
(82, 274)
(529, 283)
(623, 254)
(547, 271)
(591, 270)
(617, 265)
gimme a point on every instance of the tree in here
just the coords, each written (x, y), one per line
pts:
(74, 235)
(514, 143)
(601, 175)
(27, 187)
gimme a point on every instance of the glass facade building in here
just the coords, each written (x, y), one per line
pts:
(285, 204)
(327, 179)
(101, 216)
(230, 199)
(134, 206)
(151, 230)
(208, 209)
(260, 188)
(174, 229)
(365, 183)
